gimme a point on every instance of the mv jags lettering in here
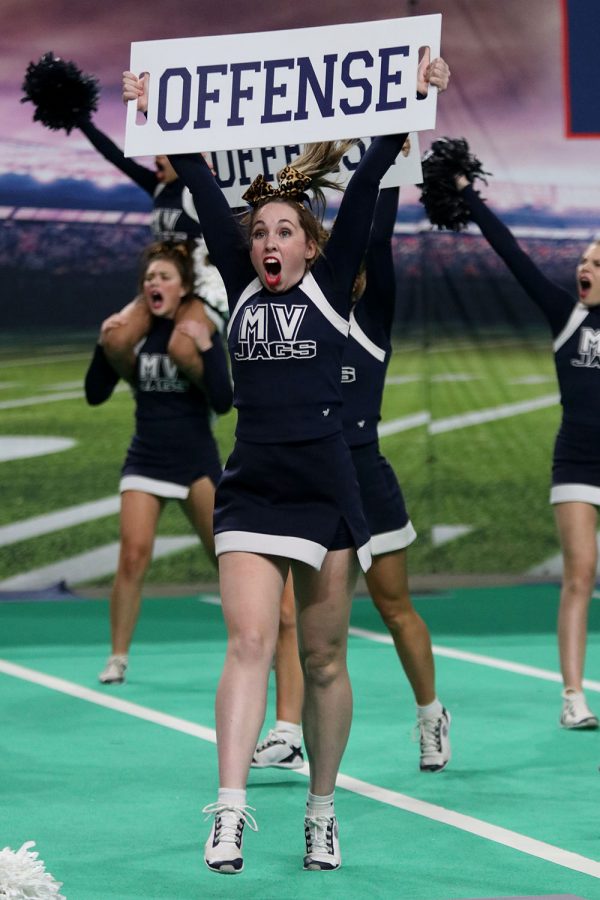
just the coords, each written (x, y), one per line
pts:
(159, 373)
(270, 331)
(164, 222)
(589, 349)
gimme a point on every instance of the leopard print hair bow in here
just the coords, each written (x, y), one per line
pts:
(292, 185)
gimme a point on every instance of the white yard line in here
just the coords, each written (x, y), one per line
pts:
(486, 830)
(394, 426)
(43, 360)
(439, 426)
(466, 420)
(44, 398)
(478, 659)
(87, 566)
(29, 446)
(62, 518)
(52, 398)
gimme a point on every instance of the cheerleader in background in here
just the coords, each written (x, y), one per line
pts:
(451, 201)
(173, 454)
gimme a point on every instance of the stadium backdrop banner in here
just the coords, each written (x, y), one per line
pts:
(471, 404)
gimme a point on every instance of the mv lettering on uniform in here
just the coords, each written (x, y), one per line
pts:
(269, 331)
(589, 349)
(159, 373)
(165, 220)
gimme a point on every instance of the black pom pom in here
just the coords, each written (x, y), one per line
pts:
(61, 93)
(441, 198)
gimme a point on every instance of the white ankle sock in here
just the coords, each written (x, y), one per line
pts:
(319, 806)
(291, 729)
(431, 711)
(232, 796)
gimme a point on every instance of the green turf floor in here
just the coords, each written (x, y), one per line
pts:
(113, 801)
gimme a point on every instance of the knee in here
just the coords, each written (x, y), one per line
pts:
(323, 666)
(287, 620)
(251, 647)
(395, 609)
(134, 559)
(578, 583)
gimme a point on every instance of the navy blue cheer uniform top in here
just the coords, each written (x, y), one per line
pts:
(576, 342)
(173, 444)
(289, 488)
(366, 360)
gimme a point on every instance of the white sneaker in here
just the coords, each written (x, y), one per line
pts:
(223, 849)
(114, 670)
(322, 843)
(434, 739)
(278, 750)
(575, 712)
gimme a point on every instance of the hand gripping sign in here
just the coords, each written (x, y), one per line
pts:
(282, 87)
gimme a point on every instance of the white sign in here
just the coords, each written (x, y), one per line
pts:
(282, 87)
(235, 170)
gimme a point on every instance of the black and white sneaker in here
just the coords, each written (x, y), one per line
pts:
(278, 750)
(322, 843)
(223, 849)
(434, 740)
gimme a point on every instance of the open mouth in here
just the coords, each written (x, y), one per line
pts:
(155, 299)
(584, 286)
(272, 271)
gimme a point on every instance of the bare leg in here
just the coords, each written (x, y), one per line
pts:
(251, 587)
(119, 343)
(139, 517)
(324, 601)
(199, 507)
(576, 524)
(288, 672)
(388, 585)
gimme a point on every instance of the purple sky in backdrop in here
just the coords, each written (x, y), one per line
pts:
(505, 97)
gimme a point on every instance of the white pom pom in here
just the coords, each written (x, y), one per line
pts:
(23, 876)
(208, 283)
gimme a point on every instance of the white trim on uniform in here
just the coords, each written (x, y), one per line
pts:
(365, 342)
(580, 493)
(364, 556)
(309, 286)
(253, 288)
(306, 551)
(575, 319)
(388, 541)
(167, 489)
(188, 205)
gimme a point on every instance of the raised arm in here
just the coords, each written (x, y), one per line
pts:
(553, 300)
(141, 175)
(380, 292)
(350, 234)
